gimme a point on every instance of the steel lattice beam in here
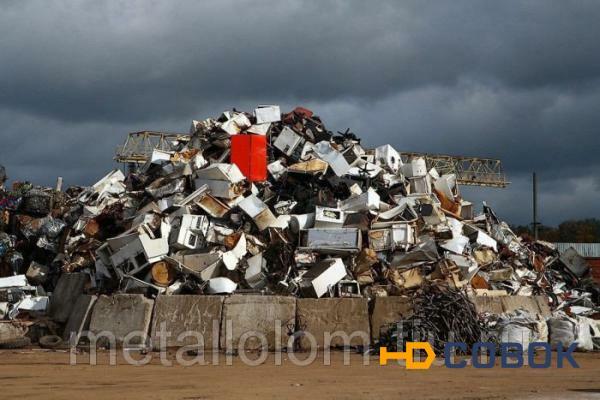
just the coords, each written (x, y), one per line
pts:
(138, 146)
(474, 171)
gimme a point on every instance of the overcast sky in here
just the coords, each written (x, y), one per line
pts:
(515, 80)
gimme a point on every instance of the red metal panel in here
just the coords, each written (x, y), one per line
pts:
(240, 148)
(258, 163)
(249, 153)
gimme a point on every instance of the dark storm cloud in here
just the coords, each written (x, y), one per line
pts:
(514, 80)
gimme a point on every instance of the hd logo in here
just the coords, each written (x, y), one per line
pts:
(483, 355)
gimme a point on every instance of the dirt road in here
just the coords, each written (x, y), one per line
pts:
(39, 374)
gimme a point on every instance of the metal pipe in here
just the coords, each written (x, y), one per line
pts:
(535, 220)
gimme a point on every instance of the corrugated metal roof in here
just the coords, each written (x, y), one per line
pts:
(586, 250)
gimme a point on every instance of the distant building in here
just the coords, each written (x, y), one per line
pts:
(589, 251)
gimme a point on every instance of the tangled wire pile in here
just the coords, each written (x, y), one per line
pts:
(441, 314)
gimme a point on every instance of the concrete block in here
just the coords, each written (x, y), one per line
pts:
(122, 314)
(243, 315)
(186, 313)
(79, 320)
(67, 290)
(542, 303)
(528, 303)
(346, 320)
(387, 310)
(488, 304)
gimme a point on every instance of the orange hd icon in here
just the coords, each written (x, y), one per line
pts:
(408, 355)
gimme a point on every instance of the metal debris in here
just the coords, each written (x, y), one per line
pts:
(273, 203)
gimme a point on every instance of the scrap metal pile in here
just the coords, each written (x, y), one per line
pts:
(440, 314)
(275, 203)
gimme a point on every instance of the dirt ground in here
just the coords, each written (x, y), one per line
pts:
(43, 374)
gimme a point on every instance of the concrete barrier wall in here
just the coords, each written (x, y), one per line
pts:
(345, 320)
(488, 304)
(542, 302)
(260, 314)
(120, 315)
(512, 303)
(387, 310)
(79, 320)
(176, 317)
(224, 321)
(65, 294)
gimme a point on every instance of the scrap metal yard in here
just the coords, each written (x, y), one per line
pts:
(291, 199)
(263, 222)
(262, 239)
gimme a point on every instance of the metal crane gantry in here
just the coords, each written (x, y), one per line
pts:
(138, 146)
(471, 171)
